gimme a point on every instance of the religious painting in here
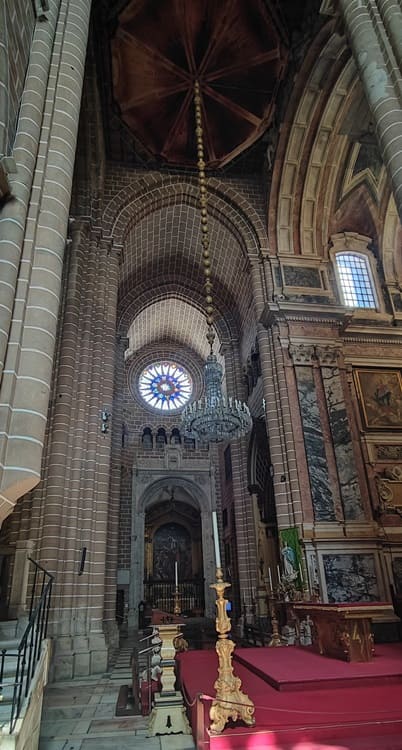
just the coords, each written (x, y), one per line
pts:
(351, 578)
(380, 397)
(171, 544)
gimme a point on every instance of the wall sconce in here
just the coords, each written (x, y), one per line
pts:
(105, 417)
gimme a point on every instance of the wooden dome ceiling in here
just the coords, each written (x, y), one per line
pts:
(235, 48)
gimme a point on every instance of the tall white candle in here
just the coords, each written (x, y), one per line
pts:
(176, 573)
(270, 580)
(216, 540)
(279, 572)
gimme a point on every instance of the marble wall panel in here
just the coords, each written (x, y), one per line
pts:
(351, 578)
(323, 502)
(343, 446)
(301, 276)
(397, 571)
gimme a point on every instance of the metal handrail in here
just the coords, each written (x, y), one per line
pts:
(29, 648)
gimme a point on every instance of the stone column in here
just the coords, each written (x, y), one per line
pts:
(75, 504)
(32, 334)
(277, 407)
(209, 562)
(374, 31)
(19, 583)
(245, 536)
(137, 565)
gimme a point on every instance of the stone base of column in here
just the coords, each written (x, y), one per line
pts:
(78, 656)
(112, 634)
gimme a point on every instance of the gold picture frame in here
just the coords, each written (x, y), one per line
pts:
(380, 398)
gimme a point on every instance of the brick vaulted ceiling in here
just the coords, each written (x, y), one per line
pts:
(161, 280)
(237, 50)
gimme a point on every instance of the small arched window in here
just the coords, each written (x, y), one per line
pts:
(355, 279)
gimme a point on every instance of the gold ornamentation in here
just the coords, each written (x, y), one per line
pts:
(230, 701)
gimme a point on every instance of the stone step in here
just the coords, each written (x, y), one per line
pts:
(9, 630)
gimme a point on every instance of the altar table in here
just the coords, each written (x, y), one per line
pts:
(343, 630)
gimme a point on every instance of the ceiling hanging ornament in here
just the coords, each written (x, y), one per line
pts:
(213, 417)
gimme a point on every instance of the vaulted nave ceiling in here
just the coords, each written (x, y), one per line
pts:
(150, 52)
(236, 50)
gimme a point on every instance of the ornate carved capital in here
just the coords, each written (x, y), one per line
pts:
(327, 355)
(302, 354)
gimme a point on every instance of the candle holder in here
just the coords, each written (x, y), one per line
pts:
(230, 701)
(176, 609)
(276, 639)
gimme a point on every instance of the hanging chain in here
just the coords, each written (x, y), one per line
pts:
(204, 215)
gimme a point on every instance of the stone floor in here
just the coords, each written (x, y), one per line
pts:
(80, 715)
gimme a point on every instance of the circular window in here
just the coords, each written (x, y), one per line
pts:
(165, 386)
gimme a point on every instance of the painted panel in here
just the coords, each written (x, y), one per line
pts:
(351, 578)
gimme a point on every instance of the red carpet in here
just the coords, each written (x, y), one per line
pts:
(341, 718)
(305, 669)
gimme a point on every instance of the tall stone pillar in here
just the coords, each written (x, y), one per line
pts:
(374, 30)
(277, 407)
(35, 233)
(75, 500)
(245, 536)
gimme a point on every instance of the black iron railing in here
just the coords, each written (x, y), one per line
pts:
(161, 595)
(19, 663)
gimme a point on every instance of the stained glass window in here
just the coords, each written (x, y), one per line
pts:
(356, 284)
(165, 386)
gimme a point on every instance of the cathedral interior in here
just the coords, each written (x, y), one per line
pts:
(106, 302)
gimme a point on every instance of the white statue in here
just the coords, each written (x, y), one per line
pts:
(289, 562)
(306, 633)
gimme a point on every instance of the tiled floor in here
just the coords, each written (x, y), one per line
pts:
(80, 715)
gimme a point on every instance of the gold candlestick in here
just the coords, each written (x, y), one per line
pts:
(276, 639)
(176, 609)
(230, 701)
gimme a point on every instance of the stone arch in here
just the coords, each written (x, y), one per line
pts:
(137, 200)
(136, 302)
(191, 487)
(143, 500)
(391, 246)
(310, 148)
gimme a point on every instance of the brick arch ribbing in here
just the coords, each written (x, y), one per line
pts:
(135, 302)
(150, 193)
(150, 494)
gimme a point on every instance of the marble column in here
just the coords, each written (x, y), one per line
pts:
(321, 492)
(374, 30)
(340, 430)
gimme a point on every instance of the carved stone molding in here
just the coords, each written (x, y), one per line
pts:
(327, 355)
(302, 354)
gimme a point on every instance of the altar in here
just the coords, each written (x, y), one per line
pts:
(343, 631)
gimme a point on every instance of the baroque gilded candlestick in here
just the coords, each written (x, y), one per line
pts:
(230, 701)
(176, 609)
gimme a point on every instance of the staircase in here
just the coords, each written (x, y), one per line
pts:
(11, 632)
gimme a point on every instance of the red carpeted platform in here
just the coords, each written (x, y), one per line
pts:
(344, 717)
(305, 669)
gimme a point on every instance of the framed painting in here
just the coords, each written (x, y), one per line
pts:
(380, 398)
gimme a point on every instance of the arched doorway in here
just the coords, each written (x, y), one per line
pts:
(173, 543)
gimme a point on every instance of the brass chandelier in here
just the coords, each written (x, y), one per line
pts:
(214, 417)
